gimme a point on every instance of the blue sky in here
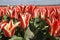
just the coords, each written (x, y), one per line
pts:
(35, 2)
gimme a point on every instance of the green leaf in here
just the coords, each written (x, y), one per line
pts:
(28, 34)
(26, 39)
(6, 17)
(16, 38)
(15, 20)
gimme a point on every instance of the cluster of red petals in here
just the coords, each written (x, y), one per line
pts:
(54, 21)
(2, 24)
(10, 28)
(24, 20)
(54, 26)
(25, 13)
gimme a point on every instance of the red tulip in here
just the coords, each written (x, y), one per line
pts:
(51, 11)
(2, 24)
(29, 8)
(15, 14)
(43, 12)
(24, 20)
(10, 13)
(17, 9)
(35, 13)
(54, 26)
(9, 29)
(22, 8)
(58, 9)
(2, 11)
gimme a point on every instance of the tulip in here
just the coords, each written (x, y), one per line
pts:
(22, 8)
(54, 26)
(51, 11)
(2, 11)
(11, 13)
(35, 13)
(43, 12)
(2, 24)
(17, 10)
(29, 8)
(24, 20)
(10, 28)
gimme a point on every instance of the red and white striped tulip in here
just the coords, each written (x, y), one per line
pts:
(10, 28)
(2, 24)
(24, 20)
(54, 26)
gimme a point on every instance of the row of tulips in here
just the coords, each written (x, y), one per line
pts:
(24, 13)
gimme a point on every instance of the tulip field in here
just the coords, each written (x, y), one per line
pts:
(29, 22)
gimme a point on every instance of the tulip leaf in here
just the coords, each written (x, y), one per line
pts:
(14, 21)
(16, 38)
(28, 34)
(6, 17)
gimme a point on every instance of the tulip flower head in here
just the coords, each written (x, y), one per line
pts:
(24, 20)
(9, 29)
(2, 24)
(54, 26)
